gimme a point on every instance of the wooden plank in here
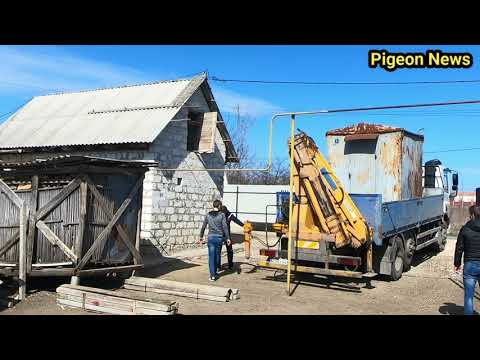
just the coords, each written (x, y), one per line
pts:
(130, 301)
(90, 307)
(101, 271)
(121, 232)
(124, 297)
(10, 194)
(10, 242)
(105, 310)
(82, 221)
(207, 133)
(62, 195)
(139, 220)
(55, 241)
(103, 235)
(22, 253)
(311, 270)
(179, 286)
(9, 264)
(42, 265)
(32, 221)
(111, 301)
(176, 293)
(52, 272)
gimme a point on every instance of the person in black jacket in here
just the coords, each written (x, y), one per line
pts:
(468, 245)
(230, 217)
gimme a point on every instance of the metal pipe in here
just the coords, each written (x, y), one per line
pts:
(290, 205)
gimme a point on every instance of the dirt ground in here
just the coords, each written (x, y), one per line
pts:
(426, 289)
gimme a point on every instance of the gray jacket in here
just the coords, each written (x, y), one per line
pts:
(217, 224)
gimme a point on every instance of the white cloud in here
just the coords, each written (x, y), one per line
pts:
(46, 69)
(250, 106)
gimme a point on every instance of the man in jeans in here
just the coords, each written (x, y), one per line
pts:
(217, 232)
(468, 244)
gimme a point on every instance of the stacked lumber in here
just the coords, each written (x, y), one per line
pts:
(118, 302)
(196, 291)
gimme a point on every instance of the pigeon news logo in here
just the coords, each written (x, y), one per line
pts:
(431, 59)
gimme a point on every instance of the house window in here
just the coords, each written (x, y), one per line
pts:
(194, 131)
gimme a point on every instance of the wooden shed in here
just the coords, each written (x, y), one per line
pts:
(70, 216)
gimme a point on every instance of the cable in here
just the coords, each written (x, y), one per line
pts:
(14, 110)
(215, 78)
(452, 150)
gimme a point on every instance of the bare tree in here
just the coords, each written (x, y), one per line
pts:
(239, 130)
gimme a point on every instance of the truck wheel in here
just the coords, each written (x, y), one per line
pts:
(398, 256)
(409, 251)
(440, 245)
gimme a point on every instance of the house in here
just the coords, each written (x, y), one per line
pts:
(174, 123)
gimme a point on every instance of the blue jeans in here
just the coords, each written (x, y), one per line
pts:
(471, 274)
(214, 252)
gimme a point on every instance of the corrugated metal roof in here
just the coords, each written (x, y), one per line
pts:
(128, 114)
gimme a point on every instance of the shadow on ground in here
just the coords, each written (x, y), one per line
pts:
(323, 282)
(423, 255)
(452, 309)
(165, 268)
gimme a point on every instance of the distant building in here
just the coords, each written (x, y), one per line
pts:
(174, 123)
(464, 199)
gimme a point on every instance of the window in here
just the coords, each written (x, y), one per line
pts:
(194, 131)
(201, 132)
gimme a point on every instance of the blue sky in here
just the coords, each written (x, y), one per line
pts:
(26, 71)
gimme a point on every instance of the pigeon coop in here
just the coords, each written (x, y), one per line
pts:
(70, 216)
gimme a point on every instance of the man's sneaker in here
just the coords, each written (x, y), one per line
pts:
(212, 278)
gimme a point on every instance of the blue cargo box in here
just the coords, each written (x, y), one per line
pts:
(394, 217)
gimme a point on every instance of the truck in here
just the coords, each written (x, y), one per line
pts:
(367, 210)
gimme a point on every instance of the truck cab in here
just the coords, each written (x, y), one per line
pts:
(438, 180)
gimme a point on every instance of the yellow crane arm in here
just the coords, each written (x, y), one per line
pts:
(325, 208)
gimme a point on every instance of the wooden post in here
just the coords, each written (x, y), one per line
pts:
(22, 253)
(31, 225)
(139, 224)
(78, 248)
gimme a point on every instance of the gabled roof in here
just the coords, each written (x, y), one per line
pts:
(118, 115)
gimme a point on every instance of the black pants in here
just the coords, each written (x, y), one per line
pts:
(229, 256)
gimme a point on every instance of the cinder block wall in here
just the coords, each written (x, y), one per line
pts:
(172, 213)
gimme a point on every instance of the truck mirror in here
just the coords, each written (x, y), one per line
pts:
(454, 187)
(454, 181)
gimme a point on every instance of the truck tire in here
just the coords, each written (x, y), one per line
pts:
(442, 241)
(409, 252)
(398, 256)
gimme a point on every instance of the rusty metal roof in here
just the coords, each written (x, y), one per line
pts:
(128, 114)
(365, 128)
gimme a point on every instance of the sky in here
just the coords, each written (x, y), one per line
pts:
(27, 71)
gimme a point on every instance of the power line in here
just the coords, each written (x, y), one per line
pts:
(452, 150)
(286, 82)
(14, 110)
